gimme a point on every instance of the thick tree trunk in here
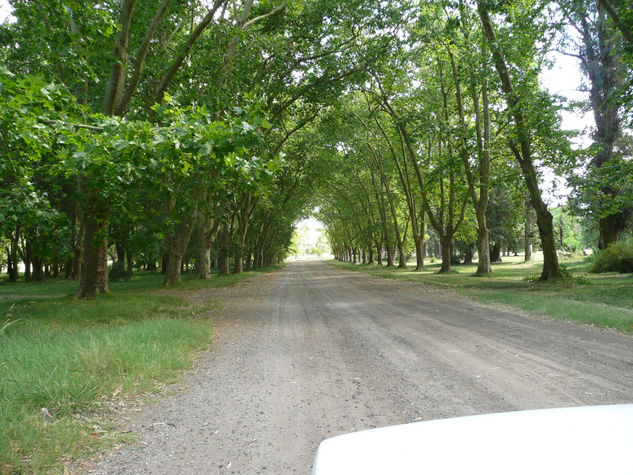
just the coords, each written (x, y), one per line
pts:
(238, 262)
(468, 255)
(243, 216)
(610, 228)
(544, 221)
(120, 252)
(402, 258)
(204, 264)
(28, 258)
(495, 252)
(419, 254)
(483, 251)
(379, 254)
(94, 269)
(207, 231)
(38, 270)
(177, 245)
(390, 255)
(248, 261)
(445, 242)
(225, 238)
(225, 261)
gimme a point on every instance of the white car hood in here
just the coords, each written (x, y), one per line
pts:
(595, 440)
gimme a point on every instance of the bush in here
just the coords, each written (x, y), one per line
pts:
(118, 272)
(617, 257)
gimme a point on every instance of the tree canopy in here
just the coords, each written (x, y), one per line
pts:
(136, 134)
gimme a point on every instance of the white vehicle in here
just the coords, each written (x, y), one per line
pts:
(596, 440)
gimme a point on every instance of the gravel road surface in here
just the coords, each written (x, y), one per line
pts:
(314, 351)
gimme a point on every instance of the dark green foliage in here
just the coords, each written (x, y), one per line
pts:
(617, 257)
(117, 272)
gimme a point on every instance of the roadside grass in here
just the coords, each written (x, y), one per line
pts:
(75, 358)
(599, 299)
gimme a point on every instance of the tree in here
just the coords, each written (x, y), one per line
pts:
(521, 146)
(601, 49)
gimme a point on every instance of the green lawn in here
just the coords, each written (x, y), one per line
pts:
(72, 357)
(599, 299)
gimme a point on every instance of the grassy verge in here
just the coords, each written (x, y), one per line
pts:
(76, 357)
(599, 299)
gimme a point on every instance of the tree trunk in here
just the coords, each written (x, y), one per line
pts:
(544, 221)
(249, 261)
(238, 262)
(468, 255)
(610, 228)
(243, 217)
(176, 247)
(203, 270)
(495, 252)
(94, 269)
(379, 253)
(224, 262)
(445, 242)
(120, 252)
(38, 269)
(28, 258)
(483, 251)
(129, 261)
(390, 255)
(402, 258)
(419, 254)
(528, 231)
(12, 263)
(207, 231)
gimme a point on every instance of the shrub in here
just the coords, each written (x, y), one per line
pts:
(618, 257)
(118, 272)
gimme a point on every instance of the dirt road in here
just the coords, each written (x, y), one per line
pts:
(314, 351)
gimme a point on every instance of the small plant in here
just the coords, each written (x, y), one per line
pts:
(8, 322)
(618, 257)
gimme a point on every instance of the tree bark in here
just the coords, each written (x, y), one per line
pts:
(224, 240)
(207, 231)
(129, 258)
(528, 231)
(495, 252)
(244, 214)
(379, 253)
(483, 251)
(177, 245)
(38, 269)
(94, 271)
(446, 243)
(390, 252)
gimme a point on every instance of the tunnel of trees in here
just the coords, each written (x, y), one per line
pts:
(168, 135)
